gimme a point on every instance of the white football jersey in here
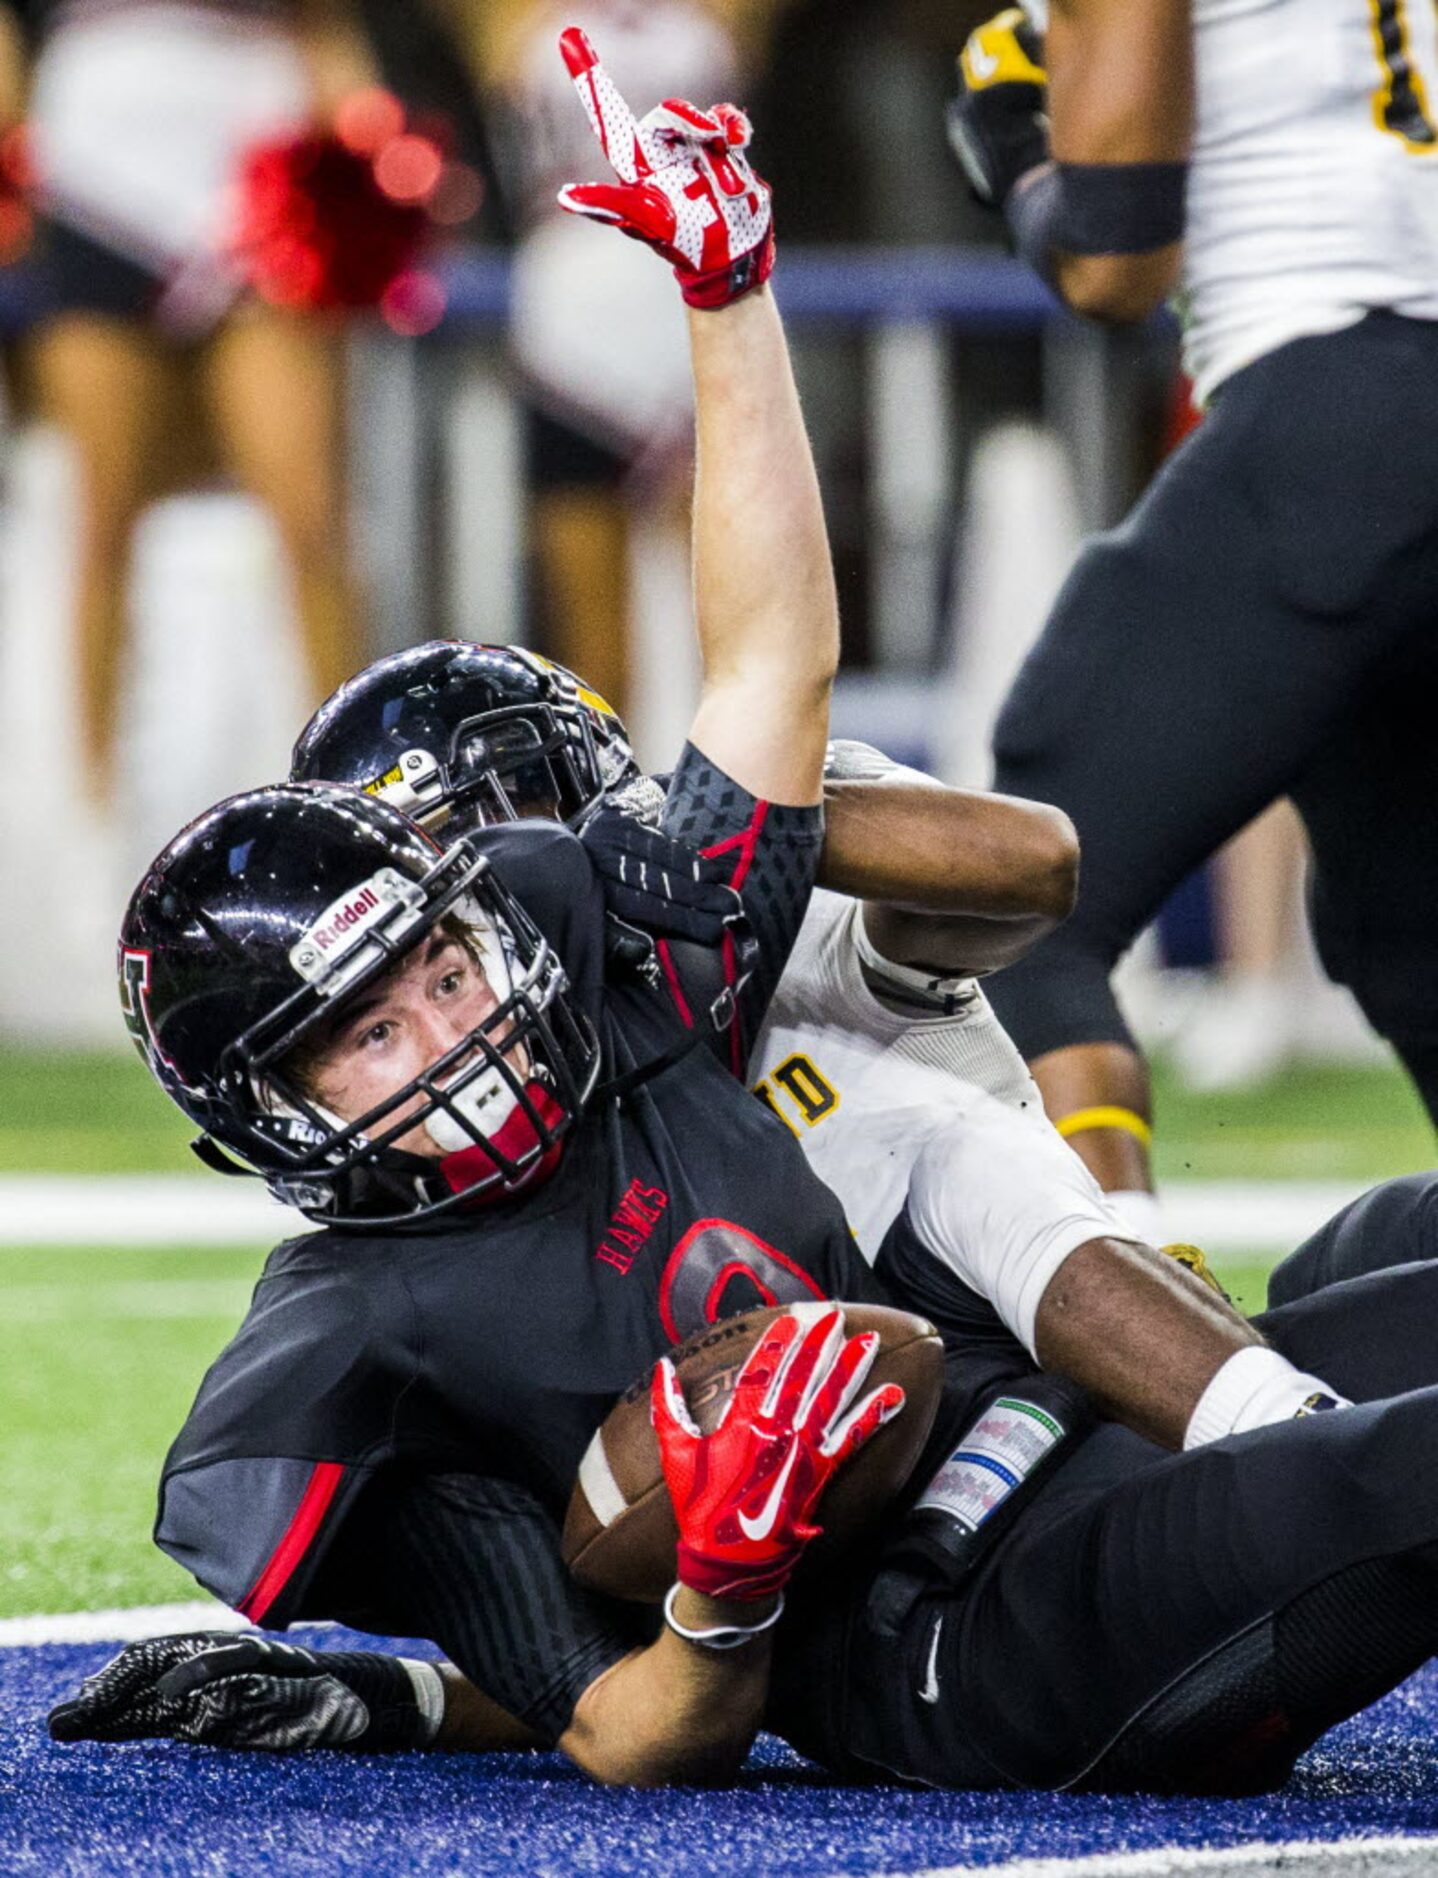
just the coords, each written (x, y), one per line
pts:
(1313, 192)
(1313, 187)
(939, 1115)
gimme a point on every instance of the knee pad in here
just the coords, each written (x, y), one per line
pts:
(1392, 1224)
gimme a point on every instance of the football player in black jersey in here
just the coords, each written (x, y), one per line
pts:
(954, 882)
(406, 1037)
(392, 1435)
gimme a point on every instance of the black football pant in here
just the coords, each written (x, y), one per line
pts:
(1264, 623)
(1395, 1223)
(1187, 1622)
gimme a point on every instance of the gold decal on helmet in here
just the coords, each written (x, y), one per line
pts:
(595, 702)
(378, 784)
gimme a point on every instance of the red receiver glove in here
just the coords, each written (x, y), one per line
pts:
(685, 184)
(745, 1493)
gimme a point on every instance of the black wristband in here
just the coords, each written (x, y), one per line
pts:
(383, 1684)
(1096, 208)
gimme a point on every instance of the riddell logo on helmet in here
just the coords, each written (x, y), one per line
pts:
(365, 901)
(345, 921)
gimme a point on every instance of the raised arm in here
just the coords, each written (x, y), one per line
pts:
(1096, 205)
(763, 584)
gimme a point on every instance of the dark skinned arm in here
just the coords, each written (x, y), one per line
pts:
(1120, 90)
(1143, 1335)
(1139, 1332)
(953, 880)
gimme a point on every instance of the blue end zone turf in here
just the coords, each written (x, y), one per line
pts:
(155, 1808)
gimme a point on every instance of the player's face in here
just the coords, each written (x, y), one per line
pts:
(427, 1004)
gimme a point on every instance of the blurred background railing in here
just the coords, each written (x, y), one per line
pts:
(894, 352)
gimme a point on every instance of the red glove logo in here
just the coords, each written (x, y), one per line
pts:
(685, 185)
(744, 1495)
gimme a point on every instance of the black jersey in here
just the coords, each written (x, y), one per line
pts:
(468, 1365)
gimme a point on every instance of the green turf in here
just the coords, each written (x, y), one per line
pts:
(1245, 1279)
(94, 1381)
(98, 1112)
(1309, 1123)
(87, 1112)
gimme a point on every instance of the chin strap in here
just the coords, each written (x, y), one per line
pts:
(619, 1088)
(205, 1148)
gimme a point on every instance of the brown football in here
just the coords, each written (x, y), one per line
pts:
(620, 1534)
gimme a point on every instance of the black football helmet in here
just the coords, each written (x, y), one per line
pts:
(269, 916)
(493, 731)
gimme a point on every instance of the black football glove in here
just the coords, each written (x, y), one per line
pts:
(229, 1691)
(998, 127)
(652, 881)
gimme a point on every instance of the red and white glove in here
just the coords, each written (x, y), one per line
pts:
(685, 184)
(744, 1494)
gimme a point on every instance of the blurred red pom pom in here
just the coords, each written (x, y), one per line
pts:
(413, 304)
(17, 179)
(17, 164)
(314, 229)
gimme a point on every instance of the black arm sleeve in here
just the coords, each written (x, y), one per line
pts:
(474, 1565)
(773, 852)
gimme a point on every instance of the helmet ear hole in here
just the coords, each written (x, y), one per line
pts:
(415, 784)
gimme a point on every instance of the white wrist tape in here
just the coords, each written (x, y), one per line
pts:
(1253, 1388)
(428, 1686)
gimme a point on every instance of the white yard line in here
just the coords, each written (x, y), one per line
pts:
(1314, 1858)
(140, 1210)
(139, 1298)
(122, 1626)
(168, 1209)
(1252, 1215)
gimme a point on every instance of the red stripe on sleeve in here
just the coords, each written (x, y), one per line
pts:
(746, 841)
(744, 845)
(676, 990)
(308, 1515)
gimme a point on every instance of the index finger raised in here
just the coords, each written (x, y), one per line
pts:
(610, 118)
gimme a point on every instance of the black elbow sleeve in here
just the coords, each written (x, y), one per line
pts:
(1097, 208)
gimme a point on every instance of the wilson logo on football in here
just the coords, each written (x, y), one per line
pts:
(345, 922)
